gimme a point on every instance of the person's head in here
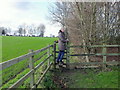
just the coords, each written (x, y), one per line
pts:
(62, 30)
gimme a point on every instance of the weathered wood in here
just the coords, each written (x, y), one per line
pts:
(40, 64)
(31, 65)
(11, 62)
(21, 80)
(113, 62)
(104, 57)
(54, 54)
(67, 56)
(43, 49)
(92, 63)
(107, 54)
(78, 46)
(48, 52)
(38, 82)
(97, 54)
(30, 55)
(20, 58)
(40, 56)
(86, 63)
(82, 55)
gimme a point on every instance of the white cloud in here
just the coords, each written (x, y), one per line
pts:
(14, 13)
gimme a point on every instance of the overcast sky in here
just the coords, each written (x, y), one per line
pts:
(16, 12)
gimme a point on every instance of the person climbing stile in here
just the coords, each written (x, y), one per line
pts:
(61, 46)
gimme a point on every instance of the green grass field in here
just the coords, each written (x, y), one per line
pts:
(13, 47)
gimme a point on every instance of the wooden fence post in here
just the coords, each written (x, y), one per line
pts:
(54, 55)
(48, 55)
(31, 65)
(104, 56)
(67, 56)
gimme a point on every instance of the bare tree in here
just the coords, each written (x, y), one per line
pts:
(20, 30)
(88, 23)
(32, 29)
(23, 28)
(41, 30)
(1, 29)
(4, 30)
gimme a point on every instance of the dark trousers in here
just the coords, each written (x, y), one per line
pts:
(60, 56)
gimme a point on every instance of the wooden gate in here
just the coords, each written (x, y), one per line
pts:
(104, 54)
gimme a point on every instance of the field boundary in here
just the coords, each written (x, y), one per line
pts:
(50, 54)
(30, 74)
(104, 55)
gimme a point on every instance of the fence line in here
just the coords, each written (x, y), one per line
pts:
(31, 54)
(104, 54)
(11, 62)
(30, 74)
(75, 46)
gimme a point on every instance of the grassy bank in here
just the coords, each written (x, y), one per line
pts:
(91, 78)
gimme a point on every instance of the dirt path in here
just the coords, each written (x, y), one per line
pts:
(85, 78)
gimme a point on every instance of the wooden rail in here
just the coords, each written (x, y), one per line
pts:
(75, 46)
(104, 54)
(11, 62)
(31, 54)
(30, 74)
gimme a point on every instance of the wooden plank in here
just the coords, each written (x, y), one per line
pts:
(105, 46)
(31, 65)
(113, 63)
(40, 64)
(77, 46)
(92, 63)
(86, 63)
(43, 49)
(97, 54)
(107, 54)
(104, 57)
(21, 80)
(82, 55)
(86, 67)
(40, 56)
(11, 62)
(48, 52)
(54, 54)
(67, 56)
(38, 82)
